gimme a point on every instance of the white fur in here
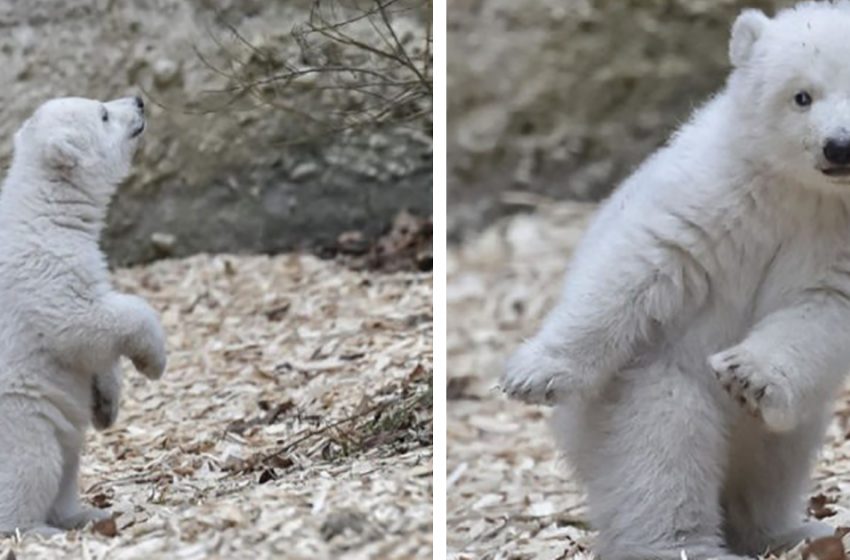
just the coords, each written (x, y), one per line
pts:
(702, 331)
(62, 327)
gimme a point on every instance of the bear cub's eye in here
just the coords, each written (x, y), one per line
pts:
(105, 116)
(803, 99)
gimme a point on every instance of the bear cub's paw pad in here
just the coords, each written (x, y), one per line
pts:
(744, 379)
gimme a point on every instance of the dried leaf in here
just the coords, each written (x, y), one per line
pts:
(818, 507)
(277, 313)
(407, 246)
(105, 527)
(267, 475)
(826, 548)
(457, 386)
(184, 462)
(101, 501)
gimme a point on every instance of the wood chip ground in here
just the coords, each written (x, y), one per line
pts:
(294, 420)
(510, 495)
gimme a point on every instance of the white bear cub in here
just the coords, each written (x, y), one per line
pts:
(63, 328)
(704, 326)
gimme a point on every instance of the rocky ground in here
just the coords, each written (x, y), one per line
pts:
(541, 90)
(510, 496)
(294, 419)
(250, 163)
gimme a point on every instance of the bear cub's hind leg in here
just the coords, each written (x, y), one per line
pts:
(652, 458)
(765, 493)
(67, 511)
(30, 476)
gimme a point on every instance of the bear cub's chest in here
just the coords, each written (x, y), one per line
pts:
(772, 262)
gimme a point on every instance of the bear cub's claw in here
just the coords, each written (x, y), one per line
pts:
(753, 387)
(534, 376)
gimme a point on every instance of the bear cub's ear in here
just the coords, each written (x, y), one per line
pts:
(745, 33)
(61, 152)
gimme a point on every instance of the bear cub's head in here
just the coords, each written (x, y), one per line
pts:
(791, 85)
(82, 141)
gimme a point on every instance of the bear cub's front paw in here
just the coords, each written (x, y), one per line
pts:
(150, 361)
(535, 376)
(106, 397)
(756, 387)
(151, 365)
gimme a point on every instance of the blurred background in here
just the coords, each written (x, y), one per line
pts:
(273, 125)
(563, 99)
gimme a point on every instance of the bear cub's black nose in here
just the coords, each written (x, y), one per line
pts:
(140, 103)
(837, 151)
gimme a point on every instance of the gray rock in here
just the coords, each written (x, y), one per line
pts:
(165, 72)
(163, 243)
(304, 170)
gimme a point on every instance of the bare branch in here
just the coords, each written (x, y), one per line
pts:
(353, 67)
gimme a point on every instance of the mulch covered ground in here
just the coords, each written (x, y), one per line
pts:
(294, 419)
(510, 495)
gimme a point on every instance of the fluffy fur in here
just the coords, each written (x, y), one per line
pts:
(63, 328)
(702, 331)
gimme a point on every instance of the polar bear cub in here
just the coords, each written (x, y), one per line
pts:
(63, 328)
(704, 326)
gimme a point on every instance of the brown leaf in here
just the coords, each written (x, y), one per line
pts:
(417, 374)
(105, 527)
(278, 312)
(406, 246)
(818, 507)
(352, 243)
(239, 426)
(267, 475)
(271, 415)
(184, 470)
(281, 462)
(457, 386)
(101, 501)
(826, 548)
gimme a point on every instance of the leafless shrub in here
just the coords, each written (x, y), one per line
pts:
(353, 64)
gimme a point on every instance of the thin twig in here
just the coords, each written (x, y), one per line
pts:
(341, 81)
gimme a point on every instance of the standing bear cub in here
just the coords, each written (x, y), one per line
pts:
(704, 326)
(63, 329)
